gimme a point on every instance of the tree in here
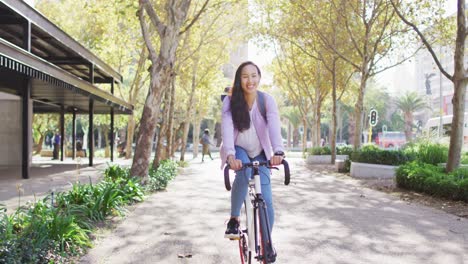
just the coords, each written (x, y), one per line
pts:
(294, 118)
(168, 25)
(42, 124)
(408, 104)
(372, 31)
(459, 78)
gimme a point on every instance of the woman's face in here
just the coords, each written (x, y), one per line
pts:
(249, 79)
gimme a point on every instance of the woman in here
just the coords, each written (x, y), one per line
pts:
(247, 136)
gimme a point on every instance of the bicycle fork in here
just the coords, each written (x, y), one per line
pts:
(263, 226)
(252, 209)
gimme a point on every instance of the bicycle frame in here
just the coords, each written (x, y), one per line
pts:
(252, 243)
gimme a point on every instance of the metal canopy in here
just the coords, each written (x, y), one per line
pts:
(63, 71)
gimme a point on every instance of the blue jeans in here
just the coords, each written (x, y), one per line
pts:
(241, 184)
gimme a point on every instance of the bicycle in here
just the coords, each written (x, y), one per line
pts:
(255, 233)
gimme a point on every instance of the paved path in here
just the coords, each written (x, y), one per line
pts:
(321, 218)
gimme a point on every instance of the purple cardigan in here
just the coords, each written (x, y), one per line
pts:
(268, 133)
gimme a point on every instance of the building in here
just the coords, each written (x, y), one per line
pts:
(43, 70)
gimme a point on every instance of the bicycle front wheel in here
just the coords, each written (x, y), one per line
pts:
(267, 251)
(245, 253)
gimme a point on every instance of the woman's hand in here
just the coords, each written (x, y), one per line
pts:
(234, 163)
(276, 160)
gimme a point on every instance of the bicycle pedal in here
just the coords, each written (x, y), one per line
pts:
(232, 236)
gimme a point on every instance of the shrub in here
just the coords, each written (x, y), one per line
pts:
(160, 177)
(114, 172)
(319, 151)
(50, 230)
(431, 179)
(344, 150)
(432, 153)
(374, 155)
(464, 158)
(347, 166)
(463, 191)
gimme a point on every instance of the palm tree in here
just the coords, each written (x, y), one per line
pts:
(294, 117)
(408, 104)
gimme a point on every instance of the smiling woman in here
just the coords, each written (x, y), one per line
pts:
(247, 137)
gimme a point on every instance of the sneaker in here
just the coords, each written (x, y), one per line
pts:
(232, 230)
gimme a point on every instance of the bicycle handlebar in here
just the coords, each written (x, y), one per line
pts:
(287, 176)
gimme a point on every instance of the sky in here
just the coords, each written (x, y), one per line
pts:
(263, 58)
(393, 78)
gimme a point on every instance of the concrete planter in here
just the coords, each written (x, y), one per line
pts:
(324, 159)
(372, 171)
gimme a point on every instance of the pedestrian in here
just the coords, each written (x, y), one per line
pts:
(206, 142)
(56, 140)
(248, 136)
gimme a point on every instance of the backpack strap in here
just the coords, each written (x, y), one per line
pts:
(261, 104)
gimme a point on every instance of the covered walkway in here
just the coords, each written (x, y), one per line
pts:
(44, 70)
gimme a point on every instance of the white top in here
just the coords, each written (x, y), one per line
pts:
(248, 140)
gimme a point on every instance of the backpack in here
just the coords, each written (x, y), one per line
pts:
(260, 104)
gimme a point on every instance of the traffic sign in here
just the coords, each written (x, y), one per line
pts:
(373, 117)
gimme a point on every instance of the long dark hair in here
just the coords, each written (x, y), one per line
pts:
(239, 107)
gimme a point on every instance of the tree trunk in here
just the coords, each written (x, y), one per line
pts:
(105, 133)
(318, 126)
(144, 141)
(162, 65)
(185, 130)
(358, 111)
(130, 134)
(170, 121)
(159, 153)
(456, 137)
(339, 121)
(190, 112)
(196, 135)
(295, 140)
(459, 82)
(334, 122)
(39, 144)
(177, 139)
(304, 135)
(409, 127)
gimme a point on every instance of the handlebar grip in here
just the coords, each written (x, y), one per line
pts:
(287, 175)
(227, 182)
